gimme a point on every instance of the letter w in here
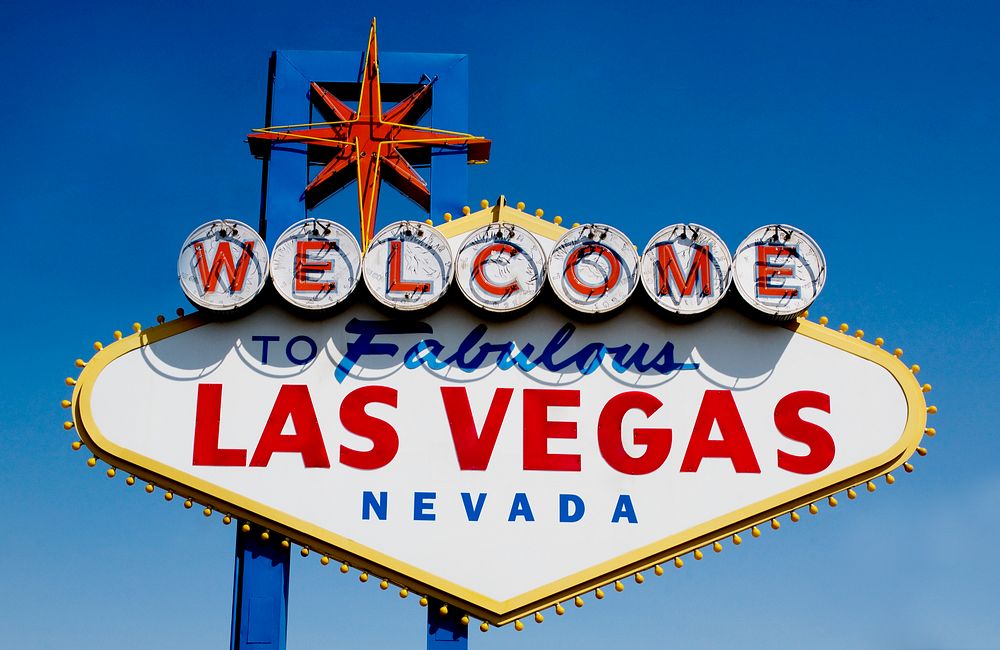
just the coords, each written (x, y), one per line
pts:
(472, 448)
(235, 272)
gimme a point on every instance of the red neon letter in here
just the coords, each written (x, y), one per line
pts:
(385, 440)
(719, 406)
(609, 434)
(480, 277)
(236, 273)
(303, 267)
(474, 449)
(538, 429)
(396, 283)
(207, 414)
(574, 258)
(766, 270)
(793, 427)
(670, 268)
(293, 402)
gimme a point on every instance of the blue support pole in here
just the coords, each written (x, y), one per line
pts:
(445, 631)
(260, 593)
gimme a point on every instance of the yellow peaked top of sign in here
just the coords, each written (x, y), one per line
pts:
(500, 212)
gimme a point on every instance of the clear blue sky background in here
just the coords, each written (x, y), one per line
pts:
(872, 125)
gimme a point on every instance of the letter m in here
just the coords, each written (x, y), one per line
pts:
(236, 272)
(670, 269)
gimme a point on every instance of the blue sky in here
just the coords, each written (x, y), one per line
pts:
(871, 125)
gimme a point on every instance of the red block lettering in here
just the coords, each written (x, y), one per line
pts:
(236, 273)
(670, 269)
(396, 282)
(719, 406)
(609, 434)
(207, 415)
(793, 427)
(293, 402)
(538, 429)
(385, 440)
(304, 266)
(766, 270)
(474, 449)
(574, 258)
(480, 278)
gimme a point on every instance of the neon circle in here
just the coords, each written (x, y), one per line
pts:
(222, 265)
(315, 264)
(408, 266)
(686, 269)
(593, 268)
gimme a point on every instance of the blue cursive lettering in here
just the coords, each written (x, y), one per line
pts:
(474, 352)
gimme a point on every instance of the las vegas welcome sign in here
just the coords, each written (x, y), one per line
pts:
(492, 412)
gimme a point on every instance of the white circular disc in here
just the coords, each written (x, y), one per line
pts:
(593, 268)
(316, 264)
(500, 267)
(408, 265)
(685, 269)
(222, 265)
(779, 270)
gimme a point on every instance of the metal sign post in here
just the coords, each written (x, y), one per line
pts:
(260, 592)
(445, 629)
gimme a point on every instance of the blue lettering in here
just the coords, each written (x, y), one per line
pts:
(300, 361)
(508, 359)
(473, 353)
(558, 340)
(364, 345)
(618, 354)
(624, 508)
(520, 508)
(423, 506)
(584, 363)
(469, 342)
(266, 340)
(473, 511)
(369, 503)
(426, 351)
(565, 516)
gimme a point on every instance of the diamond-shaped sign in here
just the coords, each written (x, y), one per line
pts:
(502, 466)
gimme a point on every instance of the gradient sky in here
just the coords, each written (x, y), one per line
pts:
(871, 125)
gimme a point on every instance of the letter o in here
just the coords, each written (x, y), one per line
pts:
(301, 361)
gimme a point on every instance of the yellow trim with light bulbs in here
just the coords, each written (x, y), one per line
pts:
(555, 594)
(501, 212)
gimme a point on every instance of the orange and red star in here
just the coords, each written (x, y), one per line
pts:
(368, 144)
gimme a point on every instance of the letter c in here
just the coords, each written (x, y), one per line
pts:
(480, 277)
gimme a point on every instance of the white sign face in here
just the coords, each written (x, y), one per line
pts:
(779, 270)
(500, 267)
(685, 269)
(408, 265)
(503, 466)
(593, 268)
(315, 264)
(223, 265)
